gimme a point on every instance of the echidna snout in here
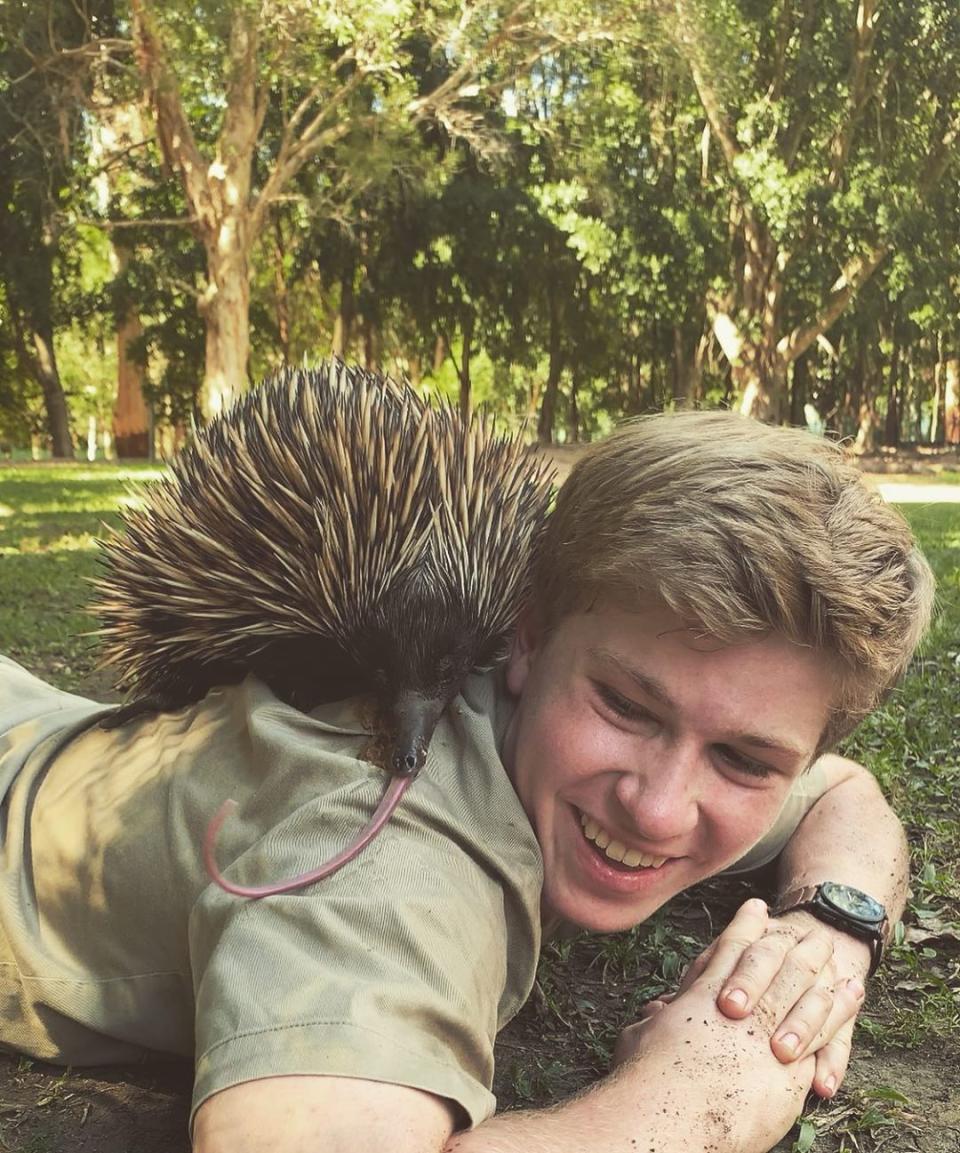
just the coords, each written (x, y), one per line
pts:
(415, 716)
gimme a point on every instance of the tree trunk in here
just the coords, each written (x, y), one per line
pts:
(761, 379)
(346, 313)
(636, 400)
(58, 418)
(548, 403)
(573, 413)
(951, 400)
(799, 391)
(465, 355)
(131, 417)
(226, 311)
(371, 353)
(872, 386)
(695, 383)
(688, 365)
(280, 290)
(217, 191)
(681, 370)
(891, 429)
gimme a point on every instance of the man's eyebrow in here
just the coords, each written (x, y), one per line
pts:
(657, 691)
(650, 685)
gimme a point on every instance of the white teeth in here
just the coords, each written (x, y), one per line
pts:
(617, 850)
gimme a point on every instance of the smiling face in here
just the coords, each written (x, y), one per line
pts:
(636, 738)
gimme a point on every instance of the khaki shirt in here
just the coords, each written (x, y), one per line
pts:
(402, 967)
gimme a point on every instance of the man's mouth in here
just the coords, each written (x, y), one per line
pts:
(616, 850)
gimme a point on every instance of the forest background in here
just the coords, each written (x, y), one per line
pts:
(571, 212)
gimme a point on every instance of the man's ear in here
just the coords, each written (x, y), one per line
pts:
(521, 652)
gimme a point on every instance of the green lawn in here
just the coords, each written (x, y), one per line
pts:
(50, 519)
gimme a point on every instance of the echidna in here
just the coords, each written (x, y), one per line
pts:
(333, 534)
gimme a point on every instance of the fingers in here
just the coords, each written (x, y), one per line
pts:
(832, 1060)
(720, 960)
(816, 1018)
(788, 984)
(651, 1008)
(774, 972)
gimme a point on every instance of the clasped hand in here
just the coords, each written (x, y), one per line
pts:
(776, 986)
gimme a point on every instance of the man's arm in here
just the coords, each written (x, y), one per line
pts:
(689, 1080)
(852, 836)
(321, 1115)
(690, 1073)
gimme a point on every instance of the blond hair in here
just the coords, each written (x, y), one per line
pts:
(743, 529)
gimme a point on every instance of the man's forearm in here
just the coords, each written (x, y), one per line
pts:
(660, 1103)
(851, 835)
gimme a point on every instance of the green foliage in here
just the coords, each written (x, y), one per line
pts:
(566, 213)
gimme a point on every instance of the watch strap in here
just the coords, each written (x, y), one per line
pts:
(803, 898)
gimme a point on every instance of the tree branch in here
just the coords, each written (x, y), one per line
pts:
(142, 222)
(692, 50)
(857, 89)
(859, 270)
(174, 132)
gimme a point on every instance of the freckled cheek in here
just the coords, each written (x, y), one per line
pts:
(737, 825)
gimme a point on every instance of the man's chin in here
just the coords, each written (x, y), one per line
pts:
(569, 917)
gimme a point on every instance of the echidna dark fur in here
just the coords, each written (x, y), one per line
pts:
(330, 533)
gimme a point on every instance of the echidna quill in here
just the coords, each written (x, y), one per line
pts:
(332, 534)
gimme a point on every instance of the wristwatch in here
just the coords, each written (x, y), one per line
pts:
(844, 908)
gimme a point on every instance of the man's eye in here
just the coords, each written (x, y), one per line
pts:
(743, 764)
(621, 705)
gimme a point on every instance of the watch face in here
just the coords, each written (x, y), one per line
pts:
(853, 903)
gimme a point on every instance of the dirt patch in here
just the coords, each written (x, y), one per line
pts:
(44, 1109)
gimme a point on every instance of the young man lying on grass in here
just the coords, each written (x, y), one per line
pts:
(716, 604)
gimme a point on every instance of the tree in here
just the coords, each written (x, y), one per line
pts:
(40, 137)
(334, 81)
(833, 123)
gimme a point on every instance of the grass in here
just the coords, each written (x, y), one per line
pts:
(589, 987)
(50, 519)
(913, 747)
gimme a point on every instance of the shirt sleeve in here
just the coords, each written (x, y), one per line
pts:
(391, 970)
(808, 788)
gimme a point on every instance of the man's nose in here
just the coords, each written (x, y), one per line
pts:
(661, 797)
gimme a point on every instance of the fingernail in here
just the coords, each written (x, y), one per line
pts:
(789, 1041)
(735, 997)
(830, 1085)
(855, 985)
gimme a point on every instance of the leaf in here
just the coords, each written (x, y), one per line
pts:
(807, 1138)
(885, 1093)
(933, 929)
